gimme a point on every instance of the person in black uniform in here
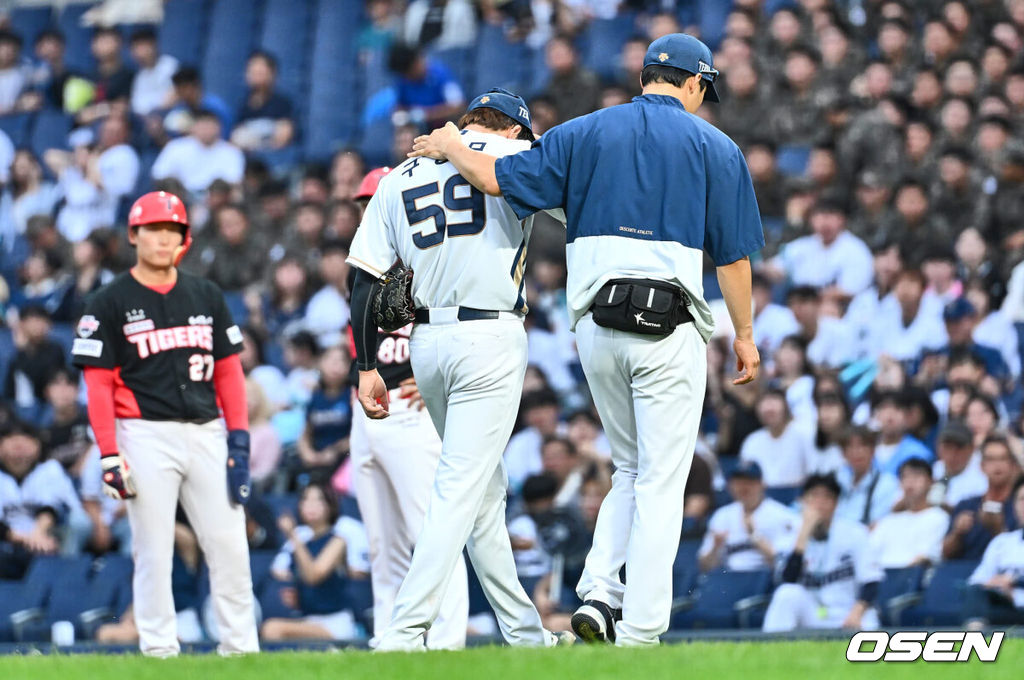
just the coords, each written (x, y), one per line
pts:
(159, 350)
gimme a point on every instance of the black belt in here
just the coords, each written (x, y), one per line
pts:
(422, 315)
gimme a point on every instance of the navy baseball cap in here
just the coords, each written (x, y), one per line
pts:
(958, 309)
(509, 103)
(747, 470)
(685, 52)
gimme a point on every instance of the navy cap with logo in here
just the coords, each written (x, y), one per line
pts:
(509, 103)
(748, 469)
(685, 52)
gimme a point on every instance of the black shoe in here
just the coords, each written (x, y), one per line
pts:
(595, 622)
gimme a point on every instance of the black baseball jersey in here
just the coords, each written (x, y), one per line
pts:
(162, 347)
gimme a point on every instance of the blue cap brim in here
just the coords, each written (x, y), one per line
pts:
(711, 94)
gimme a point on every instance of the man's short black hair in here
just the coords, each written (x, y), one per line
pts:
(10, 37)
(918, 464)
(333, 246)
(657, 73)
(401, 58)
(827, 482)
(803, 294)
(107, 30)
(187, 75)
(34, 311)
(19, 427)
(267, 57)
(304, 340)
(206, 113)
(538, 399)
(540, 487)
(143, 34)
(51, 34)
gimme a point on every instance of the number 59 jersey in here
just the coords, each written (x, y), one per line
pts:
(464, 247)
(161, 347)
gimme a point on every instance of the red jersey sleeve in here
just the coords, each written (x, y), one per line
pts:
(229, 381)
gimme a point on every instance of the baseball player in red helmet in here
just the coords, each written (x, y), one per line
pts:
(160, 353)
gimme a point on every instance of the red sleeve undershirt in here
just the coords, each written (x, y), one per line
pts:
(229, 381)
(100, 385)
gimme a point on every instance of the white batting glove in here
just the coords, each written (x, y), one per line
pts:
(117, 478)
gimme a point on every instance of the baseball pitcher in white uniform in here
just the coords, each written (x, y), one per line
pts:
(468, 348)
(393, 464)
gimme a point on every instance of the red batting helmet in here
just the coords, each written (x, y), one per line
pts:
(368, 187)
(161, 206)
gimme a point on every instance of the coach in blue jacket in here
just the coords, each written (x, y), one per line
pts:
(647, 187)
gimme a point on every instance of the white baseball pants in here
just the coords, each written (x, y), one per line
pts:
(171, 461)
(393, 466)
(471, 376)
(793, 606)
(649, 391)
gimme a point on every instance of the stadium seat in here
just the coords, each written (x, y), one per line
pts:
(460, 61)
(181, 33)
(721, 596)
(82, 602)
(113, 567)
(270, 600)
(233, 22)
(360, 597)
(78, 53)
(499, 63)
(285, 34)
(17, 126)
(49, 570)
(783, 494)
(18, 602)
(942, 601)
(282, 503)
(792, 160)
(898, 586)
(334, 101)
(50, 131)
(259, 565)
(29, 22)
(685, 571)
(603, 41)
(713, 14)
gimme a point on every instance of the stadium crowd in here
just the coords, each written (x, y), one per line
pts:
(885, 139)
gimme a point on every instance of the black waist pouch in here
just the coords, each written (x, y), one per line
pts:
(641, 306)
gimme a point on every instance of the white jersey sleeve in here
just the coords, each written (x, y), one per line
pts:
(372, 249)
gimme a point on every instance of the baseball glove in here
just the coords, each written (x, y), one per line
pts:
(393, 306)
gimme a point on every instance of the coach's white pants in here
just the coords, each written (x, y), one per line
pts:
(793, 606)
(471, 376)
(649, 391)
(393, 466)
(171, 461)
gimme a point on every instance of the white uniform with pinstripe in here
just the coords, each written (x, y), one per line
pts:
(466, 250)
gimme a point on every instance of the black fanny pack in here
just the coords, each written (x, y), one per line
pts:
(641, 306)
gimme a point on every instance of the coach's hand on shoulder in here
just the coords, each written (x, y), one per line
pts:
(748, 360)
(435, 144)
(117, 478)
(373, 395)
(239, 481)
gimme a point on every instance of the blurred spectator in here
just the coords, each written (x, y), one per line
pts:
(792, 373)
(782, 447)
(957, 471)
(994, 330)
(561, 460)
(384, 24)
(904, 328)
(532, 561)
(975, 521)
(343, 218)
(49, 74)
(833, 416)
(831, 576)
(573, 89)
(832, 257)
(1004, 205)
(895, 443)
(37, 357)
(13, 73)
(426, 91)
(981, 417)
(325, 440)
(748, 533)
(36, 499)
(772, 322)
(631, 63)
(265, 120)
(113, 78)
(769, 184)
(876, 300)
(234, 256)
(108, 517)
(327, 312)
(314, 560)
(302, 354)
(88, 257)
(93, 178)
(584, 431)
(25, 195)
(538, 413)
(254, 363)
(201, 157)
(798, 111)
(190, 99)
(995, 593)
(825, 337)
(868, 494)
(961, 319)
(265, 450)
(152, 87)
(440, 24)
(281, 312)
(63, 420)
(912, 536)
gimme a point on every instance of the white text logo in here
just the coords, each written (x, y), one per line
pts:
(914, 645)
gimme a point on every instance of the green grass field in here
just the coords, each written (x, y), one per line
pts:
(698, 660)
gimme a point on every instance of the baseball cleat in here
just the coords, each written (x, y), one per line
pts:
(595, 622)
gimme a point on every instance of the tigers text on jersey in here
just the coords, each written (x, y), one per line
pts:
(162, 347)
(423, 204)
